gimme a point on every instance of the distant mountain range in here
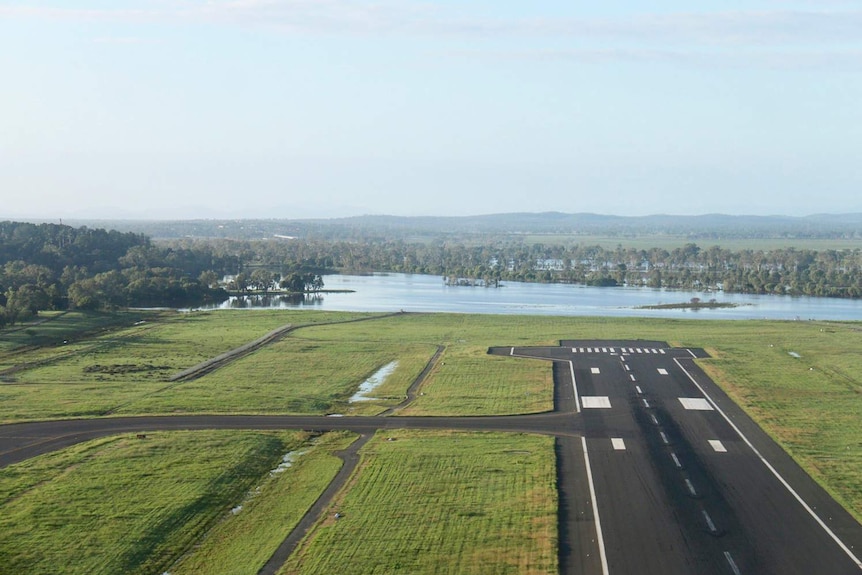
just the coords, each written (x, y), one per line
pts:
(707, 226)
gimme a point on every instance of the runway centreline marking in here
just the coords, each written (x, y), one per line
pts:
(575, 386)
(599, 538)
(638, 388)
(676, 460)
(708, 520)
(773, 470)
(690, 486)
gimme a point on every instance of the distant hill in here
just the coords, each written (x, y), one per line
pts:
(701, 227)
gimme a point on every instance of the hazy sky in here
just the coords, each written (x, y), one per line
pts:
(321, 108)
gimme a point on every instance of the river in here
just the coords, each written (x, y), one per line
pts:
(423, 293)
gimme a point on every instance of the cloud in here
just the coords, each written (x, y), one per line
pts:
(773, 59)
(360, 17)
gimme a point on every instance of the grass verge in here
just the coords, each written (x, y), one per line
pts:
(442, 502)
(126, 505)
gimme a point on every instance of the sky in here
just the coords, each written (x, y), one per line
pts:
(182, 109)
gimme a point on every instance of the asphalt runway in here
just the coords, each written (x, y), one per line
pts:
(658, 471)
(680, 479)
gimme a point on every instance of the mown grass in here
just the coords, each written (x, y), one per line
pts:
(295, 375)
(126, 505)
(442, 502)
(810, 405)
(100, 374)
(243, 541)
(51, 327)
(155, 351)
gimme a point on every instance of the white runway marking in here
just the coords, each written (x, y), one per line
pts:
(512, 351)
(599, 536)
(639, 350)
(664, 437)
(612, 350)
(694, 494)
(709, 522)
(661, 351)
(662, 371)
(638, 388)
(732, 563)
(695, 403)
(646, 403)
(582, 350)
(594, 370)
(575, 387)
(777, 475)
(596, 402)
(717, 446)
(654, 420)
(604, 350)
(676, 460)
(632, 377)
(618, 443)
(628, 368)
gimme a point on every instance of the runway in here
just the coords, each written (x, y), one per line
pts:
(681, 480)
(658, 471)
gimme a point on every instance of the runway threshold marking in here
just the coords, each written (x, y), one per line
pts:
(618, 443)
(599, 538)
(575, 387)
(774, 471)
(717, 445)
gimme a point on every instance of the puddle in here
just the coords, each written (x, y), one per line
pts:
(372, 382)
(287, 461)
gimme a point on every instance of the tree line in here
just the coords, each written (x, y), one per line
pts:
(51, 266)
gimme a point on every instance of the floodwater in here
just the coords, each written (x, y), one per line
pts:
(373, 382)
(424, 293)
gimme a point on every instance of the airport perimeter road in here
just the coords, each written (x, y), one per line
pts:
(683, 482)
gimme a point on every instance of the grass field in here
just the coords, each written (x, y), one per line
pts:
(810, 404)
(126, 505)
(438, 502)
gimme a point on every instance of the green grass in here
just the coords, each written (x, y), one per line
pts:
(242, 542)
(295, 375)
(49, 328)
(809, 405)
(125, 505)
(438, 502)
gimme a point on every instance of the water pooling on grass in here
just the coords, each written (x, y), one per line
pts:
(287, 461)
(372, 382)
